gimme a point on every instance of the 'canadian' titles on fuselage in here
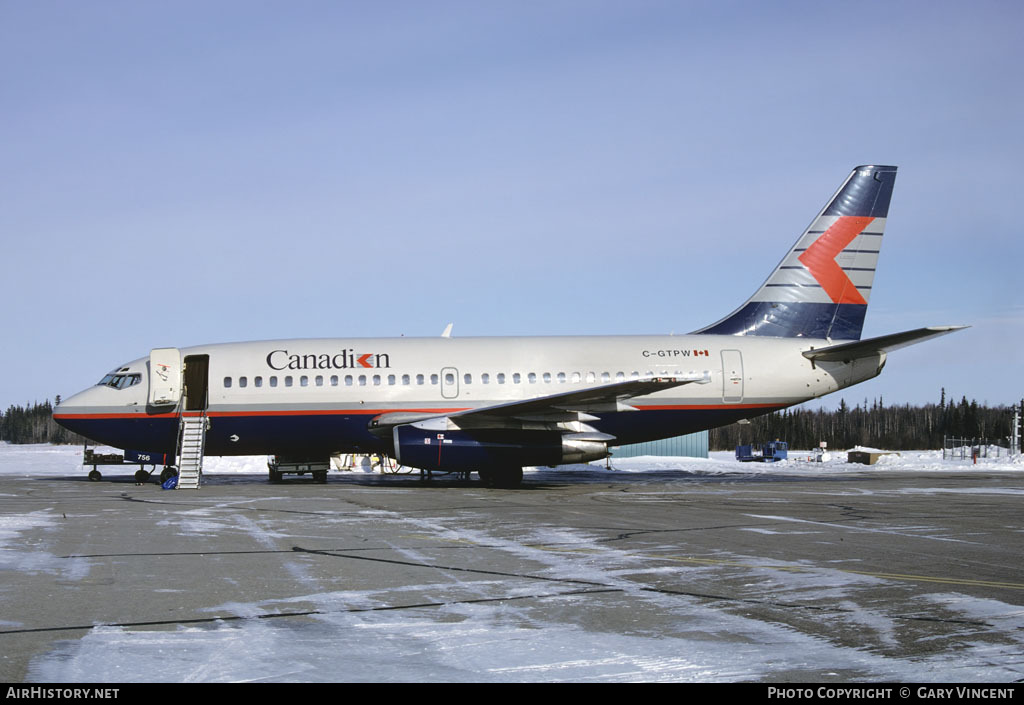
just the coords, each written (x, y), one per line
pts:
(346, 359)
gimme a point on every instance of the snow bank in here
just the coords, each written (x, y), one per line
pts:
(49, 460)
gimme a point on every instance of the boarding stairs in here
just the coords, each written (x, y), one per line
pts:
(190, 454)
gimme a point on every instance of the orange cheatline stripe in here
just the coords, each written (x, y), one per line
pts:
(705, 407)
(256, 412)
(328, 412)
(820, 259)
(369, 412)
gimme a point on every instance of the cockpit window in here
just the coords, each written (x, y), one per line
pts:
(120, 381)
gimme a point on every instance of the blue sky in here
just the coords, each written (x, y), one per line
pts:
(188, 172)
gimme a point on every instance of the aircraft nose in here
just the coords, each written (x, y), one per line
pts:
(76, 402)
(118, 417)
(76, 409)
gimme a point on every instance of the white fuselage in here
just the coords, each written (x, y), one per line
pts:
(318, 395)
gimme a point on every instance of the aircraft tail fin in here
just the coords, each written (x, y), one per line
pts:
(821, 288)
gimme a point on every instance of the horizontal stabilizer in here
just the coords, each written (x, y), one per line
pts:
(844, 352)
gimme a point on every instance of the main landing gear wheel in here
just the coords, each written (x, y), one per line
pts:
(502, 478)
(509, 479)
(95, 475)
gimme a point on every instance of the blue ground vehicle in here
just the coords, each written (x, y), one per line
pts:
(767, 453)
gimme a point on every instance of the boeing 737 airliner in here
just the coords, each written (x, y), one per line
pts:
(495, 405)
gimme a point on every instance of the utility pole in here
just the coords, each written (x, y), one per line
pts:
(1015, 432)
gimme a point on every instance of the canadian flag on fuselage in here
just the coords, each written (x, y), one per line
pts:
(821, 288)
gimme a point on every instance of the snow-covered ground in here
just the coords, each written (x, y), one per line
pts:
(42, 459)
(468, 638)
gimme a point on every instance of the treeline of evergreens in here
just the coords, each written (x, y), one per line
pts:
(872, 425)
(34, 424)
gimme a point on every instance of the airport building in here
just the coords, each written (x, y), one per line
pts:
(692, 445)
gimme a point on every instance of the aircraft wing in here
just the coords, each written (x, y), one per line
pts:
(606, 397)
(844, 352)
(543, 410)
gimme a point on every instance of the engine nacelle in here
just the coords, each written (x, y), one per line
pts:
(579, 449)
(464, 451)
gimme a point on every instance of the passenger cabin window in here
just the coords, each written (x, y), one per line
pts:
(243, 381)
(273, 381)
(288, 380)
(258, 381)
(467, 378)
(501, 378)
(227, 382)
(420, 379)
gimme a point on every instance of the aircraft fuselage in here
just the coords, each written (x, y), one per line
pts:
(317, 396)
